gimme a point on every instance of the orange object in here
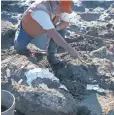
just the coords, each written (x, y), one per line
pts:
(66, 6)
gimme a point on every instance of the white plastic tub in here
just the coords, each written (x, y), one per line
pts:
(7, 100)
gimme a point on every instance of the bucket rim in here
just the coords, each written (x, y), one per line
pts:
(12, 103)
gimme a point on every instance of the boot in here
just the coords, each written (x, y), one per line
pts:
(54, 61)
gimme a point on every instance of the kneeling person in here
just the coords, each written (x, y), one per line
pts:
(37, 23)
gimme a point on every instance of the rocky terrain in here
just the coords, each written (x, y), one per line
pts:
(63, 90)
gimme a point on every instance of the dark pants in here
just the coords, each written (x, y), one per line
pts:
(52, 49)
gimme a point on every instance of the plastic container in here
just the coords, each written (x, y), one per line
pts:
(8, 101)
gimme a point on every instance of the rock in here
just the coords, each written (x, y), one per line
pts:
(42, 77)
(43, 99)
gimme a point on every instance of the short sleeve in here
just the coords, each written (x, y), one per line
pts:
(43, 19)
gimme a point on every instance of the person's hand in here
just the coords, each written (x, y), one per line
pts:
(74, 53)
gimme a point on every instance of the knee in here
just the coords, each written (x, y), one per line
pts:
(19, 43)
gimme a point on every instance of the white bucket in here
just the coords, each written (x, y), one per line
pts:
(8, 101)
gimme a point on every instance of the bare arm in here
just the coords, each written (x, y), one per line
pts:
(61, 42)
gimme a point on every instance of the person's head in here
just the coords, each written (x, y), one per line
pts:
(61, 6)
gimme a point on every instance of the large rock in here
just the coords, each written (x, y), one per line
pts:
(42, 98)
